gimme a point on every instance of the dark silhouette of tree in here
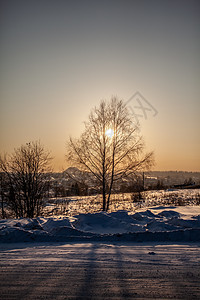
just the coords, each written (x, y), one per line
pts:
(110, 147)
(75, 190)
(137, 187)
(25, 173)
(3, 189)
(160, 184)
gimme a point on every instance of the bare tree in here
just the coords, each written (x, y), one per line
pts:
(25, 174)
(3, 187)
(110, 147)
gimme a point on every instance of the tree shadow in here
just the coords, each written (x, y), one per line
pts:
(123, 276)
(106, 277)
(87, 288)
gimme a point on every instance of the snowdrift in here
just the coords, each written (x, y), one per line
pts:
(181, 224)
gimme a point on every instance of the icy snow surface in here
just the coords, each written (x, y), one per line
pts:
(100, 271)
(158, 223)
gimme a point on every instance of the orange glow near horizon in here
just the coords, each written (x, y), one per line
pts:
(58, 61)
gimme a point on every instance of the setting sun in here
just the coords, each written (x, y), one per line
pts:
(109, 132)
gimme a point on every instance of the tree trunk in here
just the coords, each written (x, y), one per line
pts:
(104, 193)
(112, 176)
(110, 190)
(103, 169)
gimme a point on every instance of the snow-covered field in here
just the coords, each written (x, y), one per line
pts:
(74, 205)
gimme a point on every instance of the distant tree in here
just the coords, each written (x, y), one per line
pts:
(75, 189)
(110, 147)
(159, 184)
(138, 187)
(60, 191)
(25, 174)
(189, 181)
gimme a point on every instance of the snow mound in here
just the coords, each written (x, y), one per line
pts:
(68, 232)
(19, 235)
(154, 224)
(169, 214)
(185, 223)
(50, 224)
(104, 223)
(123, 215)
(144, 217)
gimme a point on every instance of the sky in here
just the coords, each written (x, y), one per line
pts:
(59, 58)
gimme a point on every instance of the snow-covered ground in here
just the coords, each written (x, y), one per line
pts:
(146, 252)
(157, 223)
(100, 271)
(71, 206)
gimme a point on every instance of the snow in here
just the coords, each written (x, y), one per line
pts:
(100, 271)
(105, 223)
(160, 223)
(151, 253)
(74, 205)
